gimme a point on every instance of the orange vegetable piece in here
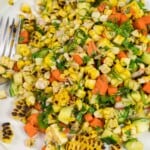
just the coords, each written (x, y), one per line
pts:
(148, 49)
(33, 119)
(146, 19)
(43, 148)
(91, 48)
(101, 85)
(122, 54)
(24, 36)
(112, 90)
(118, 98)
(146, 87)
(77, 59)
(56, 75)
(15, 67)
(97, 123)
(123, 18)
(88, 117)
(116, 17)
(37, 106)
(30, 130)
(114, 9)
(66, 130)
(102, 6)
(140, 24)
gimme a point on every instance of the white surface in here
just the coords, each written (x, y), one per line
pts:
(18, 142)
(6, 105)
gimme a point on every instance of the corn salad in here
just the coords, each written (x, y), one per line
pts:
(81, 73)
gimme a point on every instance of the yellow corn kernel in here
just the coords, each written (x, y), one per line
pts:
(20, 64)
(107, 11)
(48, 90)
(115, 82)
(81, 93)
(92, 72)
(23, 50)
(125, 74)
(71, 15)
(94, 35)
(25, 8)
(51, 119)
(7, 62)
(98, 29)
(84, 29)
(62, 13)
(109, 34)
(104, 42)
(10, 2)
(135, 7)
(52, 29)
(104, 68)
(79, 104)
(68, 8)
(110, 54)
(113, 2)
(125, 61)
(118, 39)
(46, 18)
(108, 61)
(90, 83)
(27, 62)
(48, 60)
(118, 68)
(30, 100)
(144, 39)
(2, 69)
(56, 108)
(136, 96)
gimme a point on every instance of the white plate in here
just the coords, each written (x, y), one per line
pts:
(18, 142)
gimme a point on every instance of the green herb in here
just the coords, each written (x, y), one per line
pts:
(43, 117)
(123, 114)
(41, 53)
(109, 140)
(39, 29)
(91, 109)
(130, 46)
(141, 5)
(79, 115)
(124, 91)
(113, 26)
(106, 48)
(133, 66)
(128, 133)
(43, 120)
(56, 24)
(114, 74)
(106, 100)
(86, 59)
(80, 37)
(41, 97)
(70, 45)
(124, 29)
(61, 65)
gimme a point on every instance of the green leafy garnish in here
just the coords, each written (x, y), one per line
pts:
(41, 53)
(106, 100)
